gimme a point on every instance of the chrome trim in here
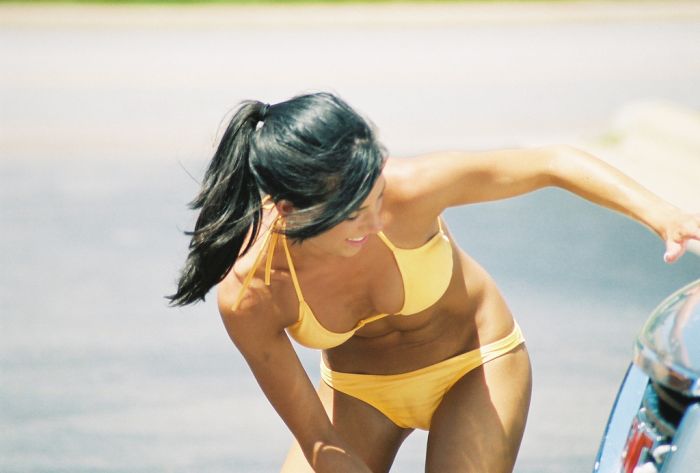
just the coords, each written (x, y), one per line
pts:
(668, 348)
(685, 456)
(674, 377)
(648, 426)
(625, 408)
(652, 412)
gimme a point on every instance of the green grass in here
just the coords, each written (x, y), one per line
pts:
(262, 2)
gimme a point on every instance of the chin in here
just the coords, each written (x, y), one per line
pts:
(352, 252)
(349, 251)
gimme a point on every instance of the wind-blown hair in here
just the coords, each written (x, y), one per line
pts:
(314, 151)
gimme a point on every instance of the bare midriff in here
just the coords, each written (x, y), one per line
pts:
(470, 314)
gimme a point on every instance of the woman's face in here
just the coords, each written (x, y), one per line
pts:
(348, 237)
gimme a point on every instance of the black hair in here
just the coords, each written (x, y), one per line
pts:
(313, 150)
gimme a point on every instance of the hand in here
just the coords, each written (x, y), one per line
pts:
(335, 459)
(677, 231)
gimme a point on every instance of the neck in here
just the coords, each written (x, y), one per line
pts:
(306, 254)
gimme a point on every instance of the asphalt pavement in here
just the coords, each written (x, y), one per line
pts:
(106, 111)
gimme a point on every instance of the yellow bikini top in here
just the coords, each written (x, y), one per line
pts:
(426, 272)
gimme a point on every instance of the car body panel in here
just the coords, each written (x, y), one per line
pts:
(654, 425)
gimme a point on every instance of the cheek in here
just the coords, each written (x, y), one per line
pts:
(341, 232)
(328, 236)
(348, 229)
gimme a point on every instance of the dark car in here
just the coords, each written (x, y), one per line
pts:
(654, 425)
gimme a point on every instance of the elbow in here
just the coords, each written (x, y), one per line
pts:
(559, 162)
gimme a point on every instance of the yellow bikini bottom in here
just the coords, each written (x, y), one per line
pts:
(410, 399)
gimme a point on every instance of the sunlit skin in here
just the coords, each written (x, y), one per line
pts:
(347, 274)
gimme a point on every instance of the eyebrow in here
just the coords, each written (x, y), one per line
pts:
(381, 194)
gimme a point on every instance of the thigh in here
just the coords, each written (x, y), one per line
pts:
(480, 422)
(372, 436)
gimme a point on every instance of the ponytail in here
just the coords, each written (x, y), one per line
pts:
(313, 151)
(229, 204)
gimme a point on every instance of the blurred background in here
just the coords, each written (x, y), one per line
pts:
(109, 114)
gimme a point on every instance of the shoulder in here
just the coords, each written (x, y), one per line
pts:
(231, 295)
(248, 309)
(412, 185)
(238, 299)
(417, 178)
(409, 212)
(400, 173)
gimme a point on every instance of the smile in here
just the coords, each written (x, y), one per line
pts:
(358, 241)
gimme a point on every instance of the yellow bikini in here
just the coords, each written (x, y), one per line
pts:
(408, 399)
(420, 292)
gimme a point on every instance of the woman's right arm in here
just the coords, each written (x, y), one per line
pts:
(257, 333)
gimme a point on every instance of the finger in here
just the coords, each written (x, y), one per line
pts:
(674, 250)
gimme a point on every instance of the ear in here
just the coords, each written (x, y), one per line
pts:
(284, 207)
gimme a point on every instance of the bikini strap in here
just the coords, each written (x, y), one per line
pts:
(292, 271)
(271, 250)
(251, 273)
(386, 240)
(270, 253)
(393, 247)
(267, 202)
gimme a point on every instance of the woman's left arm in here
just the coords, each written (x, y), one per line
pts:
(455, 178)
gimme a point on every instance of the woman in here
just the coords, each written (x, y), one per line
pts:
(311, 232)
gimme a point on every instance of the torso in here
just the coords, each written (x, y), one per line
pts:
(470, 313)
(343, 291)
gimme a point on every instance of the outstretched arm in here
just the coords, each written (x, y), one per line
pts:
(440, 180)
